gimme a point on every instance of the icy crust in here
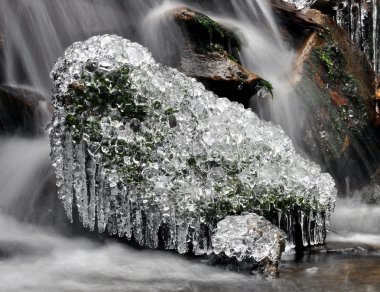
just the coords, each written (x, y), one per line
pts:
(301, 4)
(249, 238)
(145, 152)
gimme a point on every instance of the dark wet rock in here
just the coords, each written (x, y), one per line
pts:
(211, 55)
(248, 242)
(339, 82)
(340, 248)
(222, 75)
(206, 34)
(326, 6)
(293, 22)
(21, 111)
(376, 104)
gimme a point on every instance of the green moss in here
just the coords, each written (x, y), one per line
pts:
(191, 162)
(71, 120)
(332, 58)
(266, 84)
(103, 92)
(169, 111)
(220, 38)
(337, 121)
(215, 29)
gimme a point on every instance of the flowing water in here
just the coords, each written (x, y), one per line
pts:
(39, 251)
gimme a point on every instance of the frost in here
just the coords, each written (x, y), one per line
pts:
(144, 152)
(301, 4)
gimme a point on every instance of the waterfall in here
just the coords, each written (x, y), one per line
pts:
(31, 46)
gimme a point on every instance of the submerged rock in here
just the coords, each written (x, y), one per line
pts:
(145, 152)
(248, 239)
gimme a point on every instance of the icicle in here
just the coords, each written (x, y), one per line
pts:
(304, 228)
(138, 227)
(80, 183)
(91, 191)
(182, 237)
(66, 192)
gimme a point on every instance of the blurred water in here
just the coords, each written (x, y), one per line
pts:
(36, 258)
(355, 221)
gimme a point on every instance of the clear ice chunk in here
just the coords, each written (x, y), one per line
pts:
(248, 238)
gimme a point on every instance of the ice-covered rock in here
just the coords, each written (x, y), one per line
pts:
(301, 4)
(145, 152)
(250, 239)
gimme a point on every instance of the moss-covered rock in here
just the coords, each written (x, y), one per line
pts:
(211, 55)
(339, 85)
(20, 112)
(206, 34)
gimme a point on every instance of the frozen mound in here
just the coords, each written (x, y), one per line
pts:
(144, 152)
(249, 239)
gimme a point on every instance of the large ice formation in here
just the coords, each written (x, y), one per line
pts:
(145, 152)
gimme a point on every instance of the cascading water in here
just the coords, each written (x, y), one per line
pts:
(263, 52)
(31, 47)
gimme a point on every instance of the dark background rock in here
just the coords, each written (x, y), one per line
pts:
(295, 25)
(20, 112)
(339, 82)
